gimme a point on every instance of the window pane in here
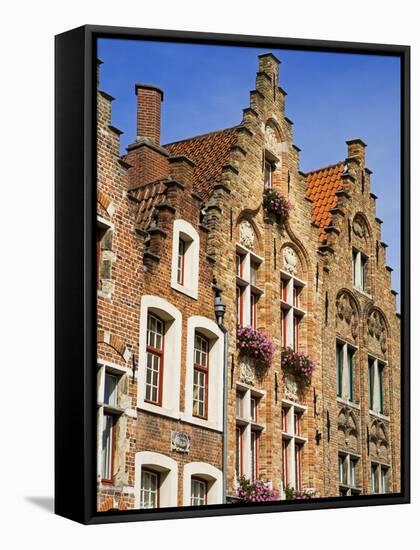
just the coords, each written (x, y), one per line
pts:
(268, 168)
(350, 355)
(285, 463)
(238, 454)
(149, 489)
(380, 388)
(371, 382)
(339, 365)
(353, 473)
(254, 457)
(107, 433)
(110, 389)
(198, 492)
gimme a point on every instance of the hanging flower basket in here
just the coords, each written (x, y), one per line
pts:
(305, 494)
(256, 491)
(299, 364)
(275, 203)
(255, 345)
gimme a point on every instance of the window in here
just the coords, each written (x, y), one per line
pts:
(292, 445)
(344, 365)
(109, 411)
(379, 478)
(201, 376)
(104, 256)
(198, 492)
(248, 431)
(268, 174)
(347, 474)
(376, 385)
(181, 262)
(154, 366)
(108, 446)
(247, 292)
(185, 258)
(291, 313)
(254, 455)
(359, 266)
(238, 452)
(149, 493)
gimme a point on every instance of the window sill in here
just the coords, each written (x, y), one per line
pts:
(379, 415)
(195, 421)
(192, 293)
(362, 292)
(104, 295)
(241, 282)
(156, 409)
(344, 401)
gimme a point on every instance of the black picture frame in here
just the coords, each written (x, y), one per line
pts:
(75, 291)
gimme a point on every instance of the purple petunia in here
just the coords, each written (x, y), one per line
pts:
(256, 491)
(275, 203)
(255, 344)
(299, 364)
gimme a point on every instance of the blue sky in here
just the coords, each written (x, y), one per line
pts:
(331, 98)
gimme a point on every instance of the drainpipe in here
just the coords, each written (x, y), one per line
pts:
(219, 309)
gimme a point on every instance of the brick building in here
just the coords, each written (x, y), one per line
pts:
(186, 253)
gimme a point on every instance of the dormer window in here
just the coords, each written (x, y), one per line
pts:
(359, 267)
(185, 259)
(268, 174)
(181, 261)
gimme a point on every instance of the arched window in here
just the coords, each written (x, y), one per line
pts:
(185, 258)
(204, 376)
(160, 345)
(202, 484)
(156, 480)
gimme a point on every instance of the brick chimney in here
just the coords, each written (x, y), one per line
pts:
(356, 148)
(149, 100)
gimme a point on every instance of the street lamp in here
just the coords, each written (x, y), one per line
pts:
(219, 310)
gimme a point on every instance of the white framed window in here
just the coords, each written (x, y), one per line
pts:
(185, 258)
(203, 484)
(345, 364)
(293, 443)
(247, 290)
(359, 269)
(149, 490)
(268, 174)
(248, 432)
(155, 480)
(104, 257)
(347, 474)
(204, 373)
(292, 314)
(109, 382)
(198, 492)
(159, 344)
(379, 474)
(376, 375)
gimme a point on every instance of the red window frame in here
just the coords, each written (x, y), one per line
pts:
(296, 295)
(284, 412)
(239, 305)
(205, 370)
(283, 289)
(296, 422)
(253, 273)
(200, 480)
(112, 461)
(181, 255)
(285, 463)
(254, 409)
(254, 455)
(239, 453)
(268, 174)
(161, 354)
(157, 474)
(298, 466)
(283, 329)
(253, 310)
(296, 321)
(239, 265)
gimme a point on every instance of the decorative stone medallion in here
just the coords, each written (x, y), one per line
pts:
(180, 442)
(290, 260)
(246, 369)
(359, 228)
(271, 138)
(246, 234)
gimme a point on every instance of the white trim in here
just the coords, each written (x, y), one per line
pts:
(168, 469)
(211, 330)
(172, 356)
(209, 473)
(191, 258)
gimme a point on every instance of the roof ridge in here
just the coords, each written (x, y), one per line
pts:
(325, 167)
(201, 135)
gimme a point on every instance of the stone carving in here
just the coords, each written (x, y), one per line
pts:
(246, 369)
(347, 428)
(271, 138)
(291, 387)
(378, 439)
(246, 234)
(180, 441)
(290, 262)
(359, 228)
(377, 329)
(347, 314)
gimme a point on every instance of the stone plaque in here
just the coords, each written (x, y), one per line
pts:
(180, 442)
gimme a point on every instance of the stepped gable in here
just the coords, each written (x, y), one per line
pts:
(209, 152)
(322, 186)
